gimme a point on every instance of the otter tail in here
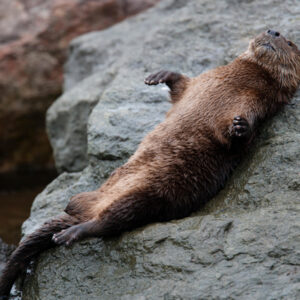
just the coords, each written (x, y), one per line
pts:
(29, 248)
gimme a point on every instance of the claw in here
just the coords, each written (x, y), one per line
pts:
(240, 126)
(161, 77)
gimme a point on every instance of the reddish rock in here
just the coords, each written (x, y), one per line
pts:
(34, 36)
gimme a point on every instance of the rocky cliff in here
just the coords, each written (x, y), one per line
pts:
(245, 243)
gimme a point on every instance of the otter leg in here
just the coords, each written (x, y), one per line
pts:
(125, 214)
(240, 128)
(175, 81)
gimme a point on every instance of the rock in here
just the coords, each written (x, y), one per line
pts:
(33, 45)
(5, 251)
(244, 243)
(67, 122)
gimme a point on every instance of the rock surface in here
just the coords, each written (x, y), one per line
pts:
(33, 45)
(5, 251)
(245, 243)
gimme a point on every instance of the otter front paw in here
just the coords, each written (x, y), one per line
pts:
(240, 127)
(162, 77)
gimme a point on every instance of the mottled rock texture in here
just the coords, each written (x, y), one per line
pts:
(5, 251)
(244, 244)
(34, 36)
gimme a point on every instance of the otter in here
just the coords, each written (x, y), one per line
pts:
(187, 158)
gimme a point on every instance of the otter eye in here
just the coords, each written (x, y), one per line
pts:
(289, 43)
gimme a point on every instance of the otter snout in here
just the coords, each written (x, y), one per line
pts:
(273, 33)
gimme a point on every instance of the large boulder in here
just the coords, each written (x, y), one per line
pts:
(34, 38)
(244, 244)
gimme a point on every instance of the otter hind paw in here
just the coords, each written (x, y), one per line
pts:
(67, 236)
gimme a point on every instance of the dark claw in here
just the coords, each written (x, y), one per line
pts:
(162, 77)
(154, 79)
(240, 127)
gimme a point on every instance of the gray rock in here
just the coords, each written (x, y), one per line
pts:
(120, 120)
(67, 121)
(244, 244)
(5, 251)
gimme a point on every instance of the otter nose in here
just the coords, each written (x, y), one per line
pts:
(273, 33)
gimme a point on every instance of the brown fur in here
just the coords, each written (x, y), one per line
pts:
(187, 158)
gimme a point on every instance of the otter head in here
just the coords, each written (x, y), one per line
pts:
(279, 56)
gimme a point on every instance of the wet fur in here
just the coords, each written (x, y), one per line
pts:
(187, 158)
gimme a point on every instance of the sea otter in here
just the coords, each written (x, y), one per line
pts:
(187, 158)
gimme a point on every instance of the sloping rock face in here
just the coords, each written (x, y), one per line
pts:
(244, 244)
(33, 45)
